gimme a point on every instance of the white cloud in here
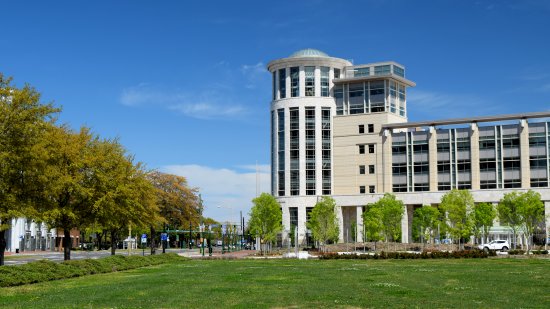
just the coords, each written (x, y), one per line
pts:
(229, 189)
(205, 105)
(253, 73)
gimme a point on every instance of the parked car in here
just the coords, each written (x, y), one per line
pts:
(501, 245)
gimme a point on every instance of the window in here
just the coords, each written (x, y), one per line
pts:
(488, 184)
(399, 169)
(443, 167)
(399, 71)
(463, 144)
(487, 165)
(463, 166)
(371, 189)
(361, 149)
(361, 72)
(361, 169)
(464, 185)
(282, 83)
(274, 85)
(398, 149)
(371, 148)
(371, 169)
(324, 81)
(444, 186)
(362, 189)
(487, 144)
(537, 139)
(361, 128)
(443, 146)
(310, 81)
(511, 164)
(294, 81)
(377, 96)
(336, 73)
(370, 128)
(421, 147)
(510, 141)
(293, 216)
(537, 162)
(512, 183)
(356, 99)
(382, 70)
(399, 187)
(539, 182)
(421, 187)
(421, 168)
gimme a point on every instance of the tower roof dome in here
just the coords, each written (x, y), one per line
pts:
(309, 52)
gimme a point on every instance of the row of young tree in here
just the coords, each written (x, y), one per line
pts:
(457, 216)
(75, 179)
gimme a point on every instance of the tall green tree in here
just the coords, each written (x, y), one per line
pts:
(458, 205)
(122, 195)
(265, 219)
(372, 222)
(23, 124)
(484, 215)
(323, 222)
(508, 213)
(425, 222)
(389, 215)
(68, 192)
(521, 211)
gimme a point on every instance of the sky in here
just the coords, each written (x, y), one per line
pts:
(184, 85)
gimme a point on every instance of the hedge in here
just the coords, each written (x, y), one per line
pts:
(465, 254)
(45, 270)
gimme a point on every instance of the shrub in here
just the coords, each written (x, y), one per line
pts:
(464, 254)
(539, 252)
(45, 270)
(516, 252)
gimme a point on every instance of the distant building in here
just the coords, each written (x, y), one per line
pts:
(341, 130)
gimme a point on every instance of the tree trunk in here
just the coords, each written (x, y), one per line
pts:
(153, 243)
(66, 244)
(113, 242)
(2, 246)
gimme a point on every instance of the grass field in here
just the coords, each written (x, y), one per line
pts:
(483, 283)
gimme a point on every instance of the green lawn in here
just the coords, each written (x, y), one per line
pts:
(484, 283)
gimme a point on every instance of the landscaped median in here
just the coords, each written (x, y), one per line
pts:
(464, 254)
(45, 270)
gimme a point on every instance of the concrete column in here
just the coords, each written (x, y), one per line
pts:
(302, 216)
(302, 82)
(359, 211)
(286, 223)
(340, 218)
(432, 158)
(524, 154)
(386, 171)
(405, 226)
(317, 75)
(474, 156)
(287, 82)
(302, 146)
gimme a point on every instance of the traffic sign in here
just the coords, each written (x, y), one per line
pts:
(163, 236)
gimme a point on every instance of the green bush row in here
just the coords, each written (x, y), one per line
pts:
(521, 252)
(45, 270)
(464, 254)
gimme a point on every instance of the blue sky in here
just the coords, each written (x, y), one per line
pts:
(184, 86)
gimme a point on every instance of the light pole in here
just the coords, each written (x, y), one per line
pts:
(229, 226)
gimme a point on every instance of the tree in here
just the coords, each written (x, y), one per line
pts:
(178, 203)
(123, 196)
(68, 191)
(23, 123)
(323, 222)
(425, 222)
(521, 211)
(384, 218)
(508, 212)
(458, 205)
(484, 215)
(265, 218)
(372, 221)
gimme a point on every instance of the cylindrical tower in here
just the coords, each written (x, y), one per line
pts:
(302, 108)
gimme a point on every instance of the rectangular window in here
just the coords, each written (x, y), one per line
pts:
(371, 169)
(511, 164)
(398, 149)
(419, 187)
(399, 187)
(361, 128)
(443, 146)
(274, 85)
(361, 72)
(371, 148)
(487, 165)
(512, 183)
(336, 73)
(488, 184)
(421, 168)
(510, 141)
(282, 83)
(444, 186)
(377, 96)
(443, 167)
(382, 70)
(310, 81)
(537, 162)
(487, 144)
(371, 189)
(399, 169)
(294, 81)
(399, 71)
(464, 185)
(324, 81)
(362, 190)
(361, 149)
(539, 182)
(537, 139)
(370, 128)
(356, 99)
(463, 144)
(361, 170)
(463, 166)
(293, 216)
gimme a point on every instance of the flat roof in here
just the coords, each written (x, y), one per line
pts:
(466, 120)
(374, 77)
